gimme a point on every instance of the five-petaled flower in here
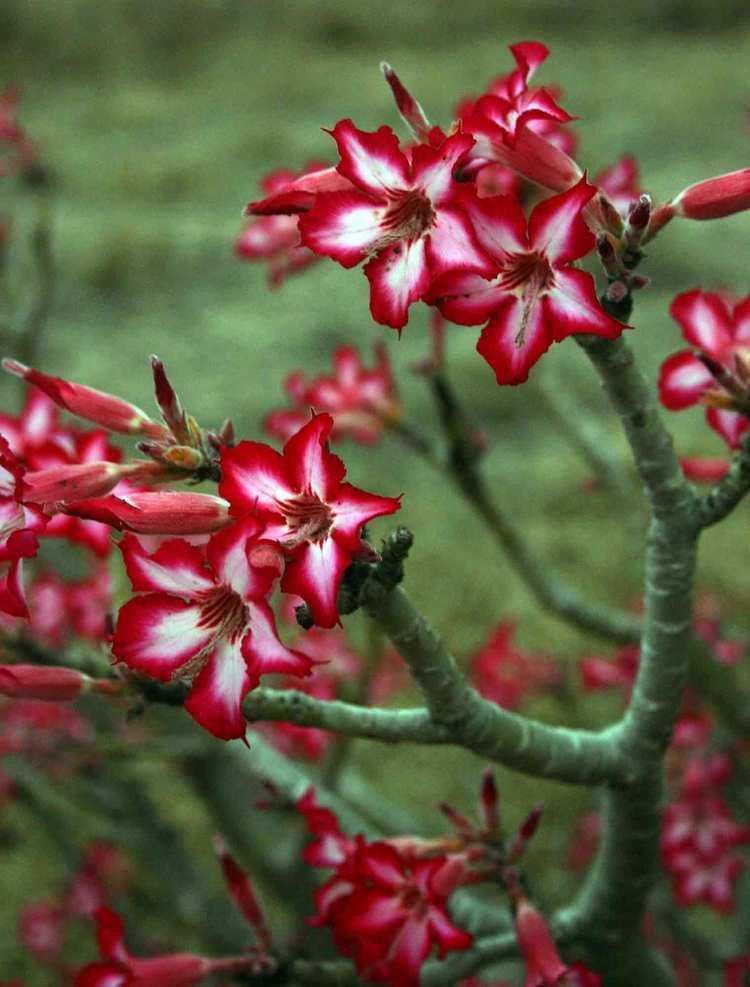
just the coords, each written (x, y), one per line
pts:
(307, 509)
(206, 619)
(533, 297)
(401, 212)
(719, 330)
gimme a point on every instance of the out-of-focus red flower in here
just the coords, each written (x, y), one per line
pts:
(506, 674)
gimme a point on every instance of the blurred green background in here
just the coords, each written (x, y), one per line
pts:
(159, 118)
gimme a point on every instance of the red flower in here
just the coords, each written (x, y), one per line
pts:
(276, 238)
(402, 214)
(736, 971)
(703, 469)
(119, 969)
(505, 674)
(605, 673)
(41, 930)
(512, 124)
(720, 331)
(361, 402)
(388, 912)
(544, 968)
(206, 619)
(306, 507)
(534, 297)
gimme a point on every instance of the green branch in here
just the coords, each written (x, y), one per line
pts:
(724, 496)
(578, 756)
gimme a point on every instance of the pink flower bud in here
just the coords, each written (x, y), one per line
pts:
(148, 513)
(49, 683)
(411, 112)
(82, 480)
(96, 406)
(299, 195)
(241, 890)
(715, 197)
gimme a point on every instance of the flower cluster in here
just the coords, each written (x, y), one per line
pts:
(700, 838)
(202, 612)
(363, 403)
(440, 219)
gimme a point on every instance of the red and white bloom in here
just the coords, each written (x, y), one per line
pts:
(275, 238)
(206, 619)
(534, 296)
(719, 330)
(307, 509)
(363, 403)
(401, 212)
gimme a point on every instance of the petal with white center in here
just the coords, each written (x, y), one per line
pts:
(310, 465)
(557, 227)
(451, 243)
(215, 700)
(514, 339)
(398, 277)
(433, 168)
(730, 425)
(157, 634)
(315, 575)
(572, 306)
(344, 226)
(254, 479)
(683, 380)
(371, 160)
(352, 508)
(499, 224)
(227, 554)
(705, 321)
(175, 567)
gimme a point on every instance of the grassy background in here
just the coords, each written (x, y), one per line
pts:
(159, 119)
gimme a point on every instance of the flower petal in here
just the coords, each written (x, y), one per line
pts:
(433, 167)
(372, 161)
(730, 425)
(157, 634)
(465, 297)
(683, 380)
(572, 306)
(215, 700)
(310, 466)
(398, 276)
(227, 553)
(254, 478)
(263, 651)
(705, 321)
(354, 507)
(175, 567)
(557, 226)
(511, 348)
(499, 224)
(342, 225)
(451, 244)
(315, 575)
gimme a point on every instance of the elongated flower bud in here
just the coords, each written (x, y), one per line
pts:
(543, 963)
(49, 683)
(78, 481)
(411, 112)
(713, 198)
(241, 889)
(165, 513)
(96, 406)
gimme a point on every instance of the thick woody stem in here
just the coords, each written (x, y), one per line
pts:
(578, 756)
(611, 904)
(722, 498)
(347, 719)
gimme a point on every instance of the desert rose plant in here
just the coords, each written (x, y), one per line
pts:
(236, 601)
